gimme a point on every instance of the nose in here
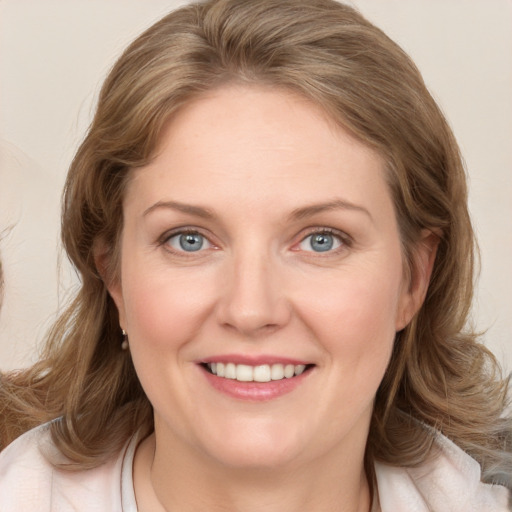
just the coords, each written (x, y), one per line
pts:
(253, 301)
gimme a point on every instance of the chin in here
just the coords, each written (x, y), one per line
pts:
(256, 448)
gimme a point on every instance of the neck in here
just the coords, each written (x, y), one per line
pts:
(186, 484)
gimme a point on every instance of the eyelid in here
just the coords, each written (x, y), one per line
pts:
(345, 240)
(184, 230)
(343, 237)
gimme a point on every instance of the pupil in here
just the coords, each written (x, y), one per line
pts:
(191, 242)
(322, 242)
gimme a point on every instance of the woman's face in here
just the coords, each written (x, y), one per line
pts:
(261, 244)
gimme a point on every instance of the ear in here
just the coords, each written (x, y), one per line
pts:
(415, 288)
(103, 259)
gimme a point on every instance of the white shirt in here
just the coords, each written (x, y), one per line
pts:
(29, 483)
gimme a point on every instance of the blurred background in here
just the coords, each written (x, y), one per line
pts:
(54, 56)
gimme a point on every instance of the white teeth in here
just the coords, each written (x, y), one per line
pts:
(230, 371)
(277, 372)
(289, 371)
(300, 369)
(244, 373)
(260, 373)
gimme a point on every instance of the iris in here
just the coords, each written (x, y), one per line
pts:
(321, 242)
(191, 242)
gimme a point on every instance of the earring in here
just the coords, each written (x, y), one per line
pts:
(124, 344)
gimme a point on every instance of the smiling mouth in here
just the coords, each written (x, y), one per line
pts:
(258, 373)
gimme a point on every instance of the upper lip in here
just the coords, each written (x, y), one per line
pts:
(253, 360)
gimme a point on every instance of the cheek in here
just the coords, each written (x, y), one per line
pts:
(165, 308)
(164, 311)
(354, 314)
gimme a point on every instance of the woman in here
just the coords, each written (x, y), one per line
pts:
(269, 218)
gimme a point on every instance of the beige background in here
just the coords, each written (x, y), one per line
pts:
(54, 55)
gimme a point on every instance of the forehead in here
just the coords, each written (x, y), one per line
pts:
(269, 147)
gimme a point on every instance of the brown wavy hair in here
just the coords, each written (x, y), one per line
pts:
(439, 374)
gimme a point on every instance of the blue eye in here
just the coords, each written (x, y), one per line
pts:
(188, 242)
(320, 242)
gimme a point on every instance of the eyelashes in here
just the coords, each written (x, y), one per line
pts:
(323, 240)
(319, 240)
(188, 241)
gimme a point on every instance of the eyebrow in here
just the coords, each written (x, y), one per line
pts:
(336, 204)
(197, 211)
(297, 214)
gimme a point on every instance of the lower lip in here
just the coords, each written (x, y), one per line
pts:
(255, 391)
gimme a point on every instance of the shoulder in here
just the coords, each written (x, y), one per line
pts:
(449, 482)
(24, 473)
(28, 481)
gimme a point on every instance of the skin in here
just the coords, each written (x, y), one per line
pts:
(253, 158)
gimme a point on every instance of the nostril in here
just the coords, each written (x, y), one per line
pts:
(251, 327)
(253, 305)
